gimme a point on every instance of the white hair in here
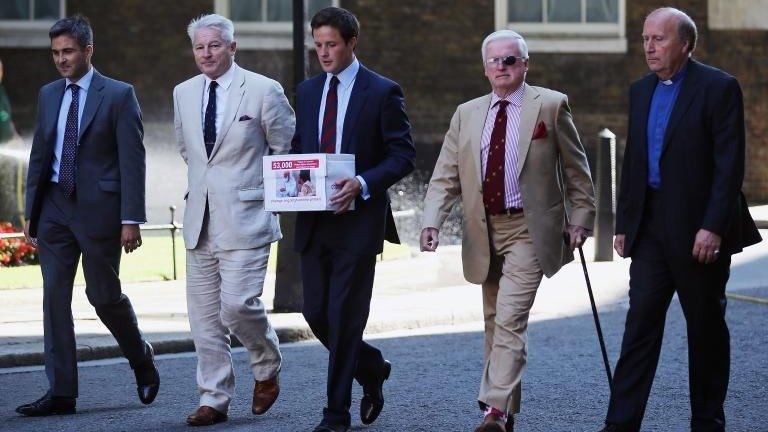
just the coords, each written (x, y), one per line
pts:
(506, 34)
(214, 21)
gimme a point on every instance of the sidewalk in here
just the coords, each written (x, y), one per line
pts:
(425, 290)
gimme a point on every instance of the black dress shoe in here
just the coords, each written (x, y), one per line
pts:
(326, 427)
(613, 428)
(48, 405)
(147, 378)
(373, 397)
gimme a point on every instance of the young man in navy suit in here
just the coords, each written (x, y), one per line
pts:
(349, 109)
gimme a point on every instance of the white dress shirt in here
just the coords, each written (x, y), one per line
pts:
(344, 92)
(222, 96)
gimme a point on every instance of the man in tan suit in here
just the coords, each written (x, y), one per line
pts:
(226, 120)
(513, 157)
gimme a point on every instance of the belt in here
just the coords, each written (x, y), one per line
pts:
(508, 211)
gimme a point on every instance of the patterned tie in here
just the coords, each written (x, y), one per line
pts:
(493, 184)
(209, 128)
(69, 149)
(328, 137)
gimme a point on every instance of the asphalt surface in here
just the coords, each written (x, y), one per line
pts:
(433, 384)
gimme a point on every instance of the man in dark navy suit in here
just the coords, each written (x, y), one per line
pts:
(85, 196)
(680, 216)
(349, 109)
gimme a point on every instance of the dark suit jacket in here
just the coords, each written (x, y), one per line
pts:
(377, 131)
(702, 163)
(110, 173)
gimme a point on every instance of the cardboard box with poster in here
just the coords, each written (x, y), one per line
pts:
(304, 182)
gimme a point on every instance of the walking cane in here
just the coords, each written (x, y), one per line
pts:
(567, 239)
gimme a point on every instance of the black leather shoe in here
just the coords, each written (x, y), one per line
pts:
(48, 405)
(373, 397)
(325, 427)
(147, 378)
(612, 428)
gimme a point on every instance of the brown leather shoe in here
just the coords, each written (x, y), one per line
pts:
(206, 416)
(265, 394)
(491, 423)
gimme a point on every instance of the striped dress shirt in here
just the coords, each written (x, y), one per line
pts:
(512, 196)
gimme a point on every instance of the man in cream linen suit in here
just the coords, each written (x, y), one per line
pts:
(226, 120)
(514, 158)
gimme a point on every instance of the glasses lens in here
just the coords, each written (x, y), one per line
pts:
(509, 60)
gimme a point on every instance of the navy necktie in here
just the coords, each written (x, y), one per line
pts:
(328, 136)
(69, 149)
(209, 128)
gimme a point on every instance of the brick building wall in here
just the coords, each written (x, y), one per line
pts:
(431, 47)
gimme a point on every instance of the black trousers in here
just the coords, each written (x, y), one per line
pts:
(337, 295)
(655, 276)
(61, 242)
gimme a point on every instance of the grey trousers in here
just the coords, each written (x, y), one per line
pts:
(61, 242)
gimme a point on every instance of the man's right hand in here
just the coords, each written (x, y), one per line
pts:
(618, 244)
(30, 240)
(429, 239)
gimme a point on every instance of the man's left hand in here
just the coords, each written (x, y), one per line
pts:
(706, 247)
(130, 237)
(577, 236)
(349, 189)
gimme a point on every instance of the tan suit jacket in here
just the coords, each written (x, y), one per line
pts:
(258, 121)
(551, 171)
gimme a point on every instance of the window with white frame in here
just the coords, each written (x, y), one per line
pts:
(566, 25)
(265, 24)
(25, 23)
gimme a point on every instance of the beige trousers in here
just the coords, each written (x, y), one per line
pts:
(223, 295)
(508, 295)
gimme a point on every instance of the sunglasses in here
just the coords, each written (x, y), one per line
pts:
(506, 60)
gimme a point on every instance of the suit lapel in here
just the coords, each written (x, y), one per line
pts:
(315, 93)
(688, 91)
(236, 92)
(191, 102)
(355, 105)
(641, 109)
(528, 116)
(476, 125)
(92, 102)
(52, 108)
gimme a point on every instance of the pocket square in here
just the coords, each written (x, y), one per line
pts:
(245, 118)
(540, 131)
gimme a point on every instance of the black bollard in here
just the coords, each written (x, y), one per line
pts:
(606, 195)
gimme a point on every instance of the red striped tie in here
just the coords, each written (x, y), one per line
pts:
(493, 183)
(328, 137)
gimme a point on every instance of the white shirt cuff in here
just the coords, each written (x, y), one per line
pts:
(130, 222)
(364, 188)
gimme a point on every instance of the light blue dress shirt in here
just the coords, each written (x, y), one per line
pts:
(84, 84)
(344, 92)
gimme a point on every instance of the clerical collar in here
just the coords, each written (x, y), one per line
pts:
(676, 77)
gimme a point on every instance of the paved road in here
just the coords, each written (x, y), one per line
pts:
(433, 386)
